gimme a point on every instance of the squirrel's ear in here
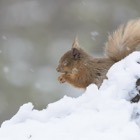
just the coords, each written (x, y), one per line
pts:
(75, 49)
(75, 43)
(75, 53)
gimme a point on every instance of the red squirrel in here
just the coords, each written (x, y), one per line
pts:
(80, 69)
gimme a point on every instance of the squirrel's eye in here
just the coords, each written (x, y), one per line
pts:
(65, 63)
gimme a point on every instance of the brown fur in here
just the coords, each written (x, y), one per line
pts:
(80, 69)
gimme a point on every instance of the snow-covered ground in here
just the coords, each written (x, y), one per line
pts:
(104, 114)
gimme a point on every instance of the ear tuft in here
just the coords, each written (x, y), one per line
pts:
(75, 43)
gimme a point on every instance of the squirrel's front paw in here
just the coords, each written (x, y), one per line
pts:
(61, 79)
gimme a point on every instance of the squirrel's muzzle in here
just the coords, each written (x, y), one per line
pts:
(58, 69)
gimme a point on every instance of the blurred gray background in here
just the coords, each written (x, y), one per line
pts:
(35, 33)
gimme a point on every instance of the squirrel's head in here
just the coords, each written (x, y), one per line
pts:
(71, 60)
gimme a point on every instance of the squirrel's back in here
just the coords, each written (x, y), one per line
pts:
(123, 41)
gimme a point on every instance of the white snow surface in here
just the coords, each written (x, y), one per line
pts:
(98, 114)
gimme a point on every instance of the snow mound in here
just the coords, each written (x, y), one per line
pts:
(98, 114)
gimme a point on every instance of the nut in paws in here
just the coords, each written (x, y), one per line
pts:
(61, 79)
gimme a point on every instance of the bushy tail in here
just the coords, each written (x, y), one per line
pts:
(123, 41)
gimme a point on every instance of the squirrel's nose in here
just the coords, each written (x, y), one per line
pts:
(57, 69)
